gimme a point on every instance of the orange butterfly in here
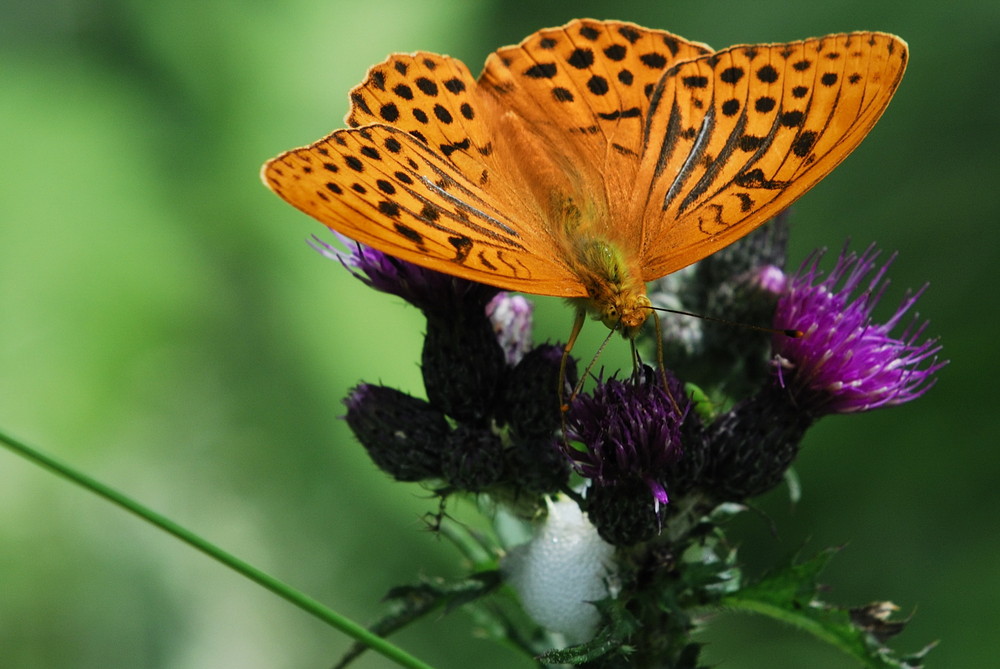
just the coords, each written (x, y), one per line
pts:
(591, 158)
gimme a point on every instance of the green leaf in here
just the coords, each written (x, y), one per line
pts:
(790, 595)
(702, 404)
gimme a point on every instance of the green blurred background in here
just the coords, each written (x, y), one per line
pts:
(164, 326)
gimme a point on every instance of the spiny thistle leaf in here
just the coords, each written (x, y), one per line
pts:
(790, 595)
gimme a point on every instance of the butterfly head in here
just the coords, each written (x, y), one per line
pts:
(626, 312)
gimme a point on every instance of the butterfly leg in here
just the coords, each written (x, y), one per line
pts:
(574, 333)
(636, 357)
(661, 366)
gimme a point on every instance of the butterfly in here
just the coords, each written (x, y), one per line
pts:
(591, 158)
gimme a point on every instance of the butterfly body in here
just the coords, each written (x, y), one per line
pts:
(616, 293)
(590, 158)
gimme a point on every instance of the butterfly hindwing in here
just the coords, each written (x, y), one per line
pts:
(384, 188)
(737, 136)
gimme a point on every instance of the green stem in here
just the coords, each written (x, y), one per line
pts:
(299, 599)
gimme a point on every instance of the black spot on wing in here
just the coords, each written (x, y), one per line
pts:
(630, 34)
(654, 60)
(388, 208)
(409, 233)
(541, 71)
(804, 143)
(731, 75)
(755, 179)
(389, 112)
(426, 86)
(631, 112)
(767, 74)
(598, 85)
(615, 52)
(581, 59)
(486, 263)
(463, 245)
(746, 202)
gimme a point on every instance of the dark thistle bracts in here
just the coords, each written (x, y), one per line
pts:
(657, 468)
(491, 415)
(635, 447)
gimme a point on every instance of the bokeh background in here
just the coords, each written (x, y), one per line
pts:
(164, 326)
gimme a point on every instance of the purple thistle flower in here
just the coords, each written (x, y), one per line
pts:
(771, 279)
(631, 431)
(845, 362)
(426, 289)
(511, 315)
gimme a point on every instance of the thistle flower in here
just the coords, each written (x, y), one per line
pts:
(431, 292)
(631, 432)
(511, 316)
(845, 362)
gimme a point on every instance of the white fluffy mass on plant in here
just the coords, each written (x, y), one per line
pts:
(561, 570)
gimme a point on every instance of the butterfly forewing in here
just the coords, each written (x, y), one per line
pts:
(381, 187)
(737, 136)
(584, 88)
(433, 98)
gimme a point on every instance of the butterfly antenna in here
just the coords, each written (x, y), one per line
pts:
(794, 334)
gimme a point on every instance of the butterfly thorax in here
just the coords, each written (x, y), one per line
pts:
(616, 294)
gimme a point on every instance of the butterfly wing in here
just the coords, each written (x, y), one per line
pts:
(382, 187)
(419, 180)
(433, 98)
(735, 137)
(583, 90)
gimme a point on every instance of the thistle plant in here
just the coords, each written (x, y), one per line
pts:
(609, 547)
